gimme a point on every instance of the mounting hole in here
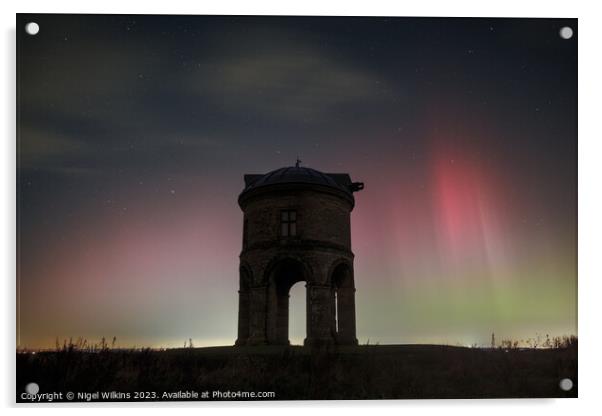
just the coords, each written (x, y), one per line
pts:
(566, 32)
(566, 384)
(32, 28)
(32, 388)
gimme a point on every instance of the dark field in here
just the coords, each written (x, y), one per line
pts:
(297, 373)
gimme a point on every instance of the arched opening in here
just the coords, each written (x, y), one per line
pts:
(285, 274)
(343, 304)
(297, 330)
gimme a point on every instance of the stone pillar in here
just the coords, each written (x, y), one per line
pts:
(282, 319)
(257, 313)
(346, 316)
(271, 307)
(333, 305)
(243, 317)
(277, 316)
(319, 315)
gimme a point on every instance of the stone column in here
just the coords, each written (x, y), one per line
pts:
(346, 316)
(333, 305)
(277, 316)
(282, 318)
(243, 317)
(319, 315)
(257, 316)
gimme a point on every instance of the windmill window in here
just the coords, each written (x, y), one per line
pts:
(288, 223)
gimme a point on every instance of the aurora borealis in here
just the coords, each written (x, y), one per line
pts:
(135, 133)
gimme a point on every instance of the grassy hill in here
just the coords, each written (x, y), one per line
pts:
(297, 373)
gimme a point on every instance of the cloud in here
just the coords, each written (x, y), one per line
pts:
(286, 83)
(181, 102)
(88, 113)
(38, 146)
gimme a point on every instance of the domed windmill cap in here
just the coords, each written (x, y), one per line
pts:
(339, 183)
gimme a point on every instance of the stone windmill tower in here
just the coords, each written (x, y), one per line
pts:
(297, 228)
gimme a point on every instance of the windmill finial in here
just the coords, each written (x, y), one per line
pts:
(298, 162)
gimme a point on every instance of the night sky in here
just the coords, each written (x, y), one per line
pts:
(135, 132)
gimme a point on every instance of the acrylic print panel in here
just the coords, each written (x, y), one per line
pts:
(283, 208)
